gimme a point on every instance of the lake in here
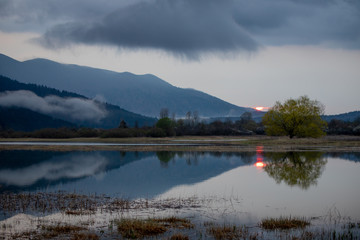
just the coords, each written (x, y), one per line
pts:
(243, 187)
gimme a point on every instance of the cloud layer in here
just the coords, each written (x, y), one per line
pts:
(191, 27)
(67, 108)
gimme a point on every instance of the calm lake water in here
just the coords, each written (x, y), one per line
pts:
(253, 185)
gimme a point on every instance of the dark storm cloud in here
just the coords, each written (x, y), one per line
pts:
(181, 27)
(332, 22)
(35, 15)
(192, 27)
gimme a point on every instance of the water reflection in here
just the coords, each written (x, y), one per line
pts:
(165, 157)
(29, 170)
(133, 174)
(300, 169)
(259, 157)
(147, 174)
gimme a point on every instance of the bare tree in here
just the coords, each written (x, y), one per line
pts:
(164, 113)
(196, 117)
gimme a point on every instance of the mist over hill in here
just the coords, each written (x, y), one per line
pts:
(143, 94)
(28, 107)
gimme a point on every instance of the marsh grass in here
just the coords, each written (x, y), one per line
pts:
(139, 228)
(283, 223)
(228, 232)
(135, 228)
(175, 222)
(179, 236)
(58, 231)
(74, 206)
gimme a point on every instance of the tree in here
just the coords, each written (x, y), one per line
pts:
(164, 113)
(296, 117)
(122, 124)
(167, 125)
(300, 169)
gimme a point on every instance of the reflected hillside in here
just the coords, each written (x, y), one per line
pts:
(31, 170)
(301, 169)
(130, 174)
(350, 156)
(159, 172)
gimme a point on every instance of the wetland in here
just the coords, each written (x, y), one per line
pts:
(256, 193)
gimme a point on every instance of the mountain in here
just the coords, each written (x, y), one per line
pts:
(46, 106)
(144, 94)
(347, 117)
(18, 119)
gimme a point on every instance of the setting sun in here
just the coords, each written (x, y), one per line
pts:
(261, 108)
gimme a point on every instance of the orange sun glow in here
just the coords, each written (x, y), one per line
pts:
(259, 164)
(260, 108)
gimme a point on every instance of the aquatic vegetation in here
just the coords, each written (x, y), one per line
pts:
(283, 223)
(179, 236)
(140, 228)
(227, 231)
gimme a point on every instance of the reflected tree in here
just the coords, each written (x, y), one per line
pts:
(165, 157)
(300, 169)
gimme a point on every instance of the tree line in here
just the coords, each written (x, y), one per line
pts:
(299, 117)
(164, 127)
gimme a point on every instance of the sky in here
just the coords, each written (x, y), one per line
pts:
(247, 52)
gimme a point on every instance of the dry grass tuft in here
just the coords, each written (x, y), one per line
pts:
(179, 236)
(283, 223)
(134, 228)
(85, 236)
(59, 230)
(227, 232)
(175, 222)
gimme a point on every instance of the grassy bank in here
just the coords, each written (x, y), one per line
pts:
(209, 143)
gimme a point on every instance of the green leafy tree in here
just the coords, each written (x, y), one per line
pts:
(167, 125)
(296, 117)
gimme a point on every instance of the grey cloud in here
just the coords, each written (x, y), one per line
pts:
(73, 108)
(181, 27)
(280, 22)
(189, 27)
(194, 27)
(34, 15)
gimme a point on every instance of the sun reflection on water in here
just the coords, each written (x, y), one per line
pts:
(259, 157)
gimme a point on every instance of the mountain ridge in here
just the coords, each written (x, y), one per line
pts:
(144, 94)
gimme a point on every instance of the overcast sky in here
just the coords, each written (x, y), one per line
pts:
(247, 52)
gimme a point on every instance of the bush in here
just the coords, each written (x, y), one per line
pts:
(117, 133)
(156, 132)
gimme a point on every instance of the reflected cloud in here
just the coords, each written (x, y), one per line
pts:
(70, 168)
(301, 169)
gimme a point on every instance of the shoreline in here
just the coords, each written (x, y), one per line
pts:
(187, 143)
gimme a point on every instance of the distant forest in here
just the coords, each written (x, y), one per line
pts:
(17, 122)
(166, 127)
